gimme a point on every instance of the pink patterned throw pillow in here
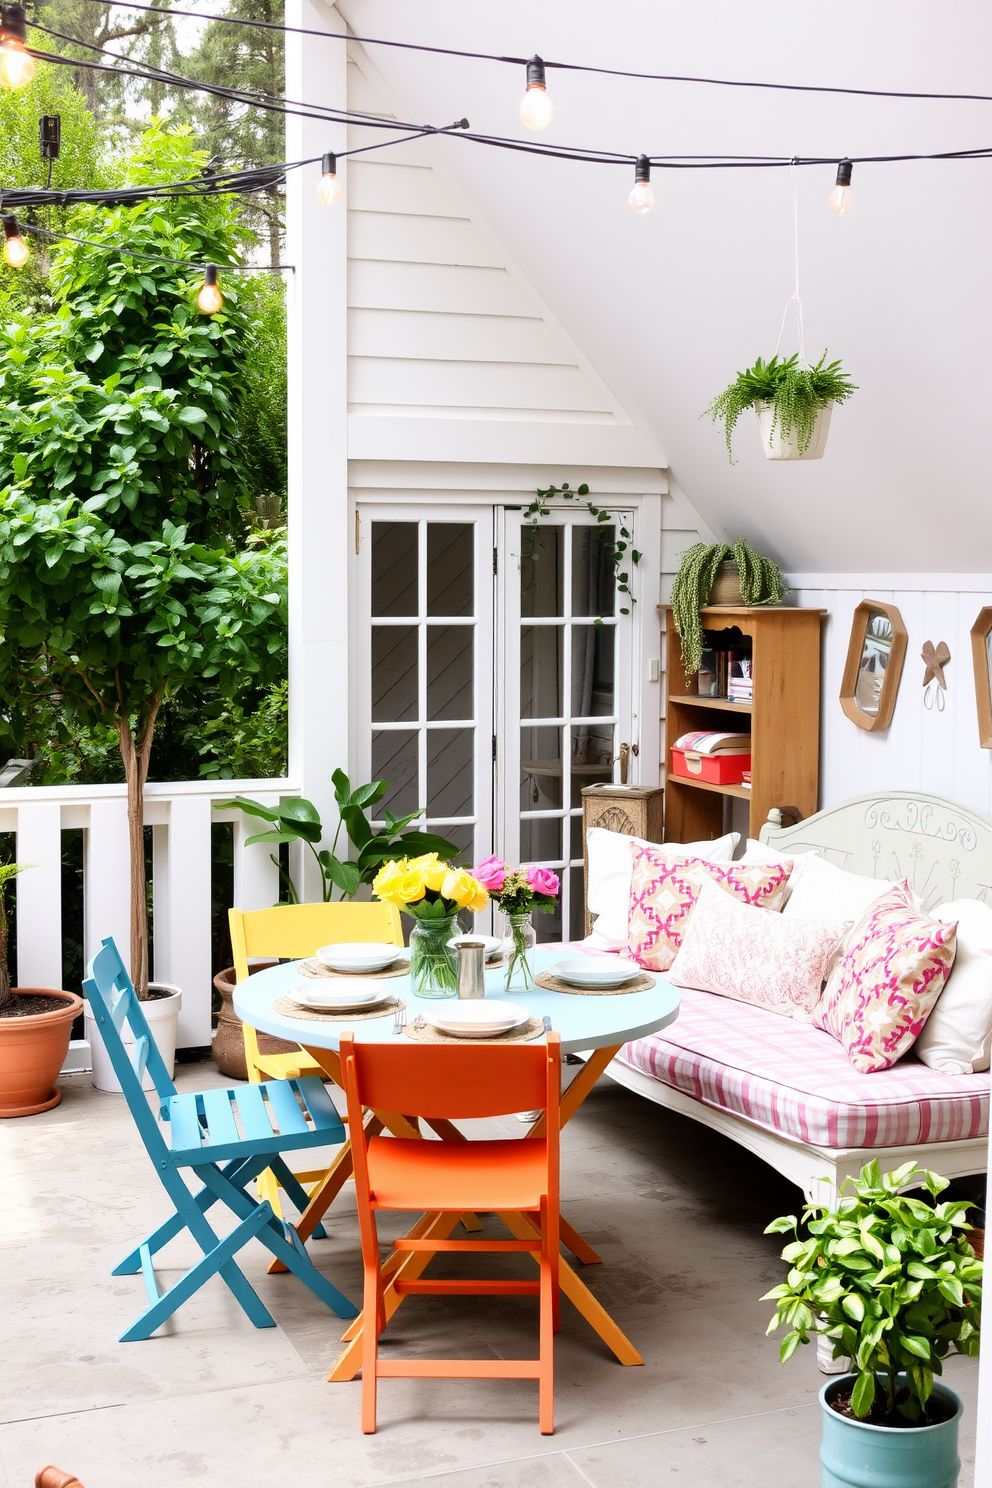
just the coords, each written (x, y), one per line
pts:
(664, 890)
(738, 951)
(882, 990)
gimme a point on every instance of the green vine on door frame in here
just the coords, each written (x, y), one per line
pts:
(619, 552)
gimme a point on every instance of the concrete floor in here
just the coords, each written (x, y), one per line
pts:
(675, 1210)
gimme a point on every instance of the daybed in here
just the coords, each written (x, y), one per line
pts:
(786, 1090)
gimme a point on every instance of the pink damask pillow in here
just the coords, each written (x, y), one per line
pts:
(738, 951)
(664, 890)
(880, 993)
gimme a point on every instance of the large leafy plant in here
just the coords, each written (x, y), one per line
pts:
(122, 484)
(298, 820)
(796, 391)
(761, 580)
(891, 1280)
(8, 872)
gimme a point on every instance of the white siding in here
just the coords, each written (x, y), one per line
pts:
(439, 327)
(922, 748)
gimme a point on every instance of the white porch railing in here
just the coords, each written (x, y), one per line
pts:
(180, 814)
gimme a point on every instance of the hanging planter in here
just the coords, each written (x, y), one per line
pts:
(793, 403)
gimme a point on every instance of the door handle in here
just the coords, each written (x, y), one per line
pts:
(624, 758)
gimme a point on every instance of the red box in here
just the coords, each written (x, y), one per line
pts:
(715, 769)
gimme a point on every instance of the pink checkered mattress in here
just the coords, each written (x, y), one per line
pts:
(794, 1079)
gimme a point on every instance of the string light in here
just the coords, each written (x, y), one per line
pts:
(15, 251)
(841, 199)
(16, 65)
(210, 299)
(641, 198)
(536, 108)
(329, 185)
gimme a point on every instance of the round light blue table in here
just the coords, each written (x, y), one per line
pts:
(601, 1024)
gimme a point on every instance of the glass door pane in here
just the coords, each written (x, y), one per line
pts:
(566, 703)
(425, 667)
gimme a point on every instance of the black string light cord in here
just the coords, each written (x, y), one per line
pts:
(654, 77)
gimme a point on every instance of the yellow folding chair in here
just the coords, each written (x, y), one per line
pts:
(292, 931)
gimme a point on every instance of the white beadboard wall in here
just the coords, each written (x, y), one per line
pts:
(922, 749)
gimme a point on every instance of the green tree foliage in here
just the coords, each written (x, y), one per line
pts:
(122, 485)
(140, 36)
(262, 406)
(235, 134)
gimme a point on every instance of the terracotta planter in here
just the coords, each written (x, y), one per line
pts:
(228, 1044)
(33, 1050)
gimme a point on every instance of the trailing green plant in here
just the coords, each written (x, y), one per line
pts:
(797, 393)
(761, 580)
(298, 820)
(8, 871)
(890, 1280)
(618, 551)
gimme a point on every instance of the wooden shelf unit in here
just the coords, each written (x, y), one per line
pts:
(785, 719)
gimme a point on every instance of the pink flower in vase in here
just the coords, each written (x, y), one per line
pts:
(543, 881)
(491, 873)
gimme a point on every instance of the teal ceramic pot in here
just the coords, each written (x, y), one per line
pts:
(856, 1455)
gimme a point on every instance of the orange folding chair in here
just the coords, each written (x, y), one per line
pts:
(451, 1082)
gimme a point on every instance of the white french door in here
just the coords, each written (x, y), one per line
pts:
(493, 677)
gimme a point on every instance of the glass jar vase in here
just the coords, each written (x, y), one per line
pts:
(518, 953)
(433, 964)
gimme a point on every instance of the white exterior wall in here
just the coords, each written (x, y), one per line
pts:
(922, 748)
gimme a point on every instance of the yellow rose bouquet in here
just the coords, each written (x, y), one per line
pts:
(431, 892)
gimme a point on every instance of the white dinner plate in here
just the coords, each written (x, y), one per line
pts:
(359, 955)
(477, 1017)
(344, 997)
(596, 971)
(490, 943)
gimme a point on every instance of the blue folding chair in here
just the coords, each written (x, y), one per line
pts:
(227, 1137)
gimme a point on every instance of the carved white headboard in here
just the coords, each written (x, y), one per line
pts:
(944, 849)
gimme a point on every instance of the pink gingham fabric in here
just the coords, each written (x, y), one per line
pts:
(664, 889)
(894, 966)
(792, 1078)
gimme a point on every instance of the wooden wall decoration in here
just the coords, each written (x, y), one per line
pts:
(875, 656)
(981, 650)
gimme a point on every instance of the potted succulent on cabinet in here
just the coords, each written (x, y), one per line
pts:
(35, 1027)
(793, 402)
(715, 574)
(894, 1282)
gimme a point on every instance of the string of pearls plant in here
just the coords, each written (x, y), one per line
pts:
(761, 580)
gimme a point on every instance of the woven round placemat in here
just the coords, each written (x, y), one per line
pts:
(551, 983)
(290, 1009)
(318, 971)
(519, 1035)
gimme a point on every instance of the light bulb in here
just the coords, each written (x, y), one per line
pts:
(329, 185)
(15, 251)
(641, 198)
(209, 299)
(841, 199)
(536, 108)
(16, 67)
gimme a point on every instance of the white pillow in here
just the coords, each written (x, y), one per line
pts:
(957, 1036)
(608, 893)
(740, 951)
(757, 852)
(828, 893)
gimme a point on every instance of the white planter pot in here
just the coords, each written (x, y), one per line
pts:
(162, 1017)
(777, 448)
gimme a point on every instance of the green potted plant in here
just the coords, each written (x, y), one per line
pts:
(893, 1282)
(793, 402)
(297, 820)
(35, 1028)
(713, 573)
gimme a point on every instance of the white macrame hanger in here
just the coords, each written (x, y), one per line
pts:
(794, 297)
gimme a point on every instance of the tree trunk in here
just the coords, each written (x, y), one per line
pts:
(136, 757)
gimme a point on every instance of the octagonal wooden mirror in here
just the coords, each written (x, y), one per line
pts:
(875, 656)
(981, 651)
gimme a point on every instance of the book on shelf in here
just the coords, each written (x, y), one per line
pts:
(746, 779)
(707, 741)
